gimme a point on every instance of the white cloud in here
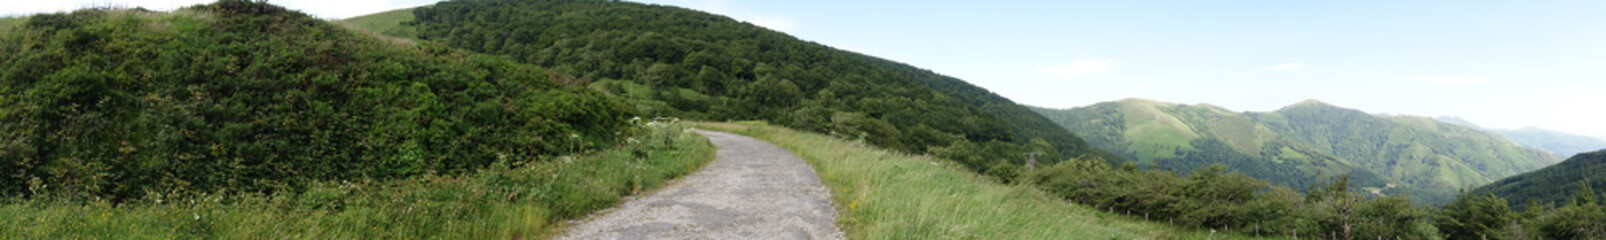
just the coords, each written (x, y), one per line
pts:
(1078, 68)
(1287, 67)
(1452, 79)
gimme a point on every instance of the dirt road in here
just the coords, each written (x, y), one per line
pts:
(752, 190)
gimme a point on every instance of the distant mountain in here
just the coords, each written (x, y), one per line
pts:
(1185, 137)
(1554, 184)
(1559, 143)
(1421, 157)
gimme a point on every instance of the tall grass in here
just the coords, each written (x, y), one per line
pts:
(881, 194)
(504, 201)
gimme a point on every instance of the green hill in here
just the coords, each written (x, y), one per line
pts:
(1187, 137)
(1561, 144)
(1421, 157)
(239, 96)
(677, 62)
(1553, 185)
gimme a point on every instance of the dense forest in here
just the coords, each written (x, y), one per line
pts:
(1552, 185)
(247, 97)
(1303, 144)
(677, 62)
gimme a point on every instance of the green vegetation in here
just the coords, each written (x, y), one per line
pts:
(1185, 138)
(500, 201)
(388, 23)
(1430, 160)
(882, 194)
(677, 62)
(1304, 144)
(1486, 216)
(244, 97)
(240, 119)
(1561, 144)
(1553, 185)
(8, 24)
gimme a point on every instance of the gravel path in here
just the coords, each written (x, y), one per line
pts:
(752, 190)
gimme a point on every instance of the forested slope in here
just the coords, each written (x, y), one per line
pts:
(1553, 185)
(676, 62)
(240, 96)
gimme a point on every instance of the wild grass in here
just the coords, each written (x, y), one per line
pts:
(881, 194)
(527, 201)
(388, 23)
(7, 24)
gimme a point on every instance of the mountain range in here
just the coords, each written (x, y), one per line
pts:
(1563, 145)
(1306, 143)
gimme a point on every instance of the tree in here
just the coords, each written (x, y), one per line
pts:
(1475, 217)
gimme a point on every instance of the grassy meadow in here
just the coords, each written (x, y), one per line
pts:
(529, 201)
(882, 194)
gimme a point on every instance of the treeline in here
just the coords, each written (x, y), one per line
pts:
(1214, 198)
(679, 62)
(242, 96)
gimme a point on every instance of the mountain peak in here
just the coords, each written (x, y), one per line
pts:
(1311, 102)
(1457, 121)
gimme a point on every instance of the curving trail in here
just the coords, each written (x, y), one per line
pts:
(752, 190)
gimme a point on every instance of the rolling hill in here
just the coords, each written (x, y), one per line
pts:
(671, 61)
(1553, 185)
(1563, 145)
(1421, 157)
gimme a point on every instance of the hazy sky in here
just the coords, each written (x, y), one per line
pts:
(1504, 64)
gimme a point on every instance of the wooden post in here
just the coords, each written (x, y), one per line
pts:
(1031, 161)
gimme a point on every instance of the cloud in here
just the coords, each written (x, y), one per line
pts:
(1078, 68)
(1452, 79)
(1287, 67)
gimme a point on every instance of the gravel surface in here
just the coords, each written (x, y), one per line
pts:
(752, 190)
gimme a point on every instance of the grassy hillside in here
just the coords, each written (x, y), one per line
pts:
(1421, 157)
(1561, 144)
(1553, 185)
(1188, 137)
(388, 23)
(678, 62)
(884, 194)
(239, 96)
